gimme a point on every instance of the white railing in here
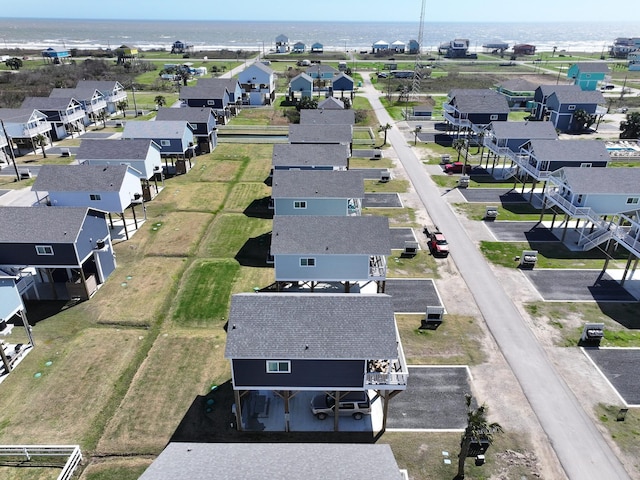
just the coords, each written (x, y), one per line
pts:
(570, 208)
(35, 131)
(29, 451)
(377, 267)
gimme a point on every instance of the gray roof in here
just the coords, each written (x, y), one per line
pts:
(622, 181)
(518, 85)
(327, 117)
(188, 114)
(311, 326)
(489, 102)
(547, 90)
(317, 184)
(125, 149)
(41, 224)
(16, 115)
(331, 103)
(313, 154)
(593, 67)
(322, 68)
(303, 76)
(101, 85)
(80, 178)
(155, 129)
(229, 83)
(570, 150)
(203, 92)
(528, 130)
(328, 235)
(465, 92)
(79, 93)
(320, 133)
(261, 66)
(48, 103)
(580, 96)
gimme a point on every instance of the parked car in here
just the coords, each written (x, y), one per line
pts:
(438, 244)
(455, 167)
(356, 404)
(382, 75)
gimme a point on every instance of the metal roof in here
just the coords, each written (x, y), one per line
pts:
(329, 235)
(311, 326)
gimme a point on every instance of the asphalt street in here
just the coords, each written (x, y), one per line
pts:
(580, 447)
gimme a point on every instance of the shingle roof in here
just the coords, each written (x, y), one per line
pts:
(80, 178)
(327, 235)
(230, 83)
(125, 149)
(320, 133)
(79, 93)
(336, 326)
(100, 85)
(580, 96)
(518, 85)
(312, 154)
(48, 103)
(489, 102)
(41, 224)
(623, 181)
(260, 66)
(158, 129)
(570, 150)
(188, 114)
(321, 68)
(593, 67)
(16, 115)
(317, 184)
(331, 103)
(327, 117)
(527, 130)
(203, 92)
(547, 90)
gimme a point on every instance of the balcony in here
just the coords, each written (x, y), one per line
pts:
(73, 116)
(34, 131)
(457, 121)
(389, 374)
(377, 267)
(95, 107)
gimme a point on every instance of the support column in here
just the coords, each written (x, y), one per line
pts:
(236, 395)
(564, 231)
(626, 269)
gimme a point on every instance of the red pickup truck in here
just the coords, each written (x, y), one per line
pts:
(438, 244)
(456, 167)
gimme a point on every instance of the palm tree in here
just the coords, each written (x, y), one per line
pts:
(102, 116)
(122, 106)
(478, 429)
(458, 145)
(40, 141)
(582, 120)
(630, 128)
(384, 128)
(160, 101)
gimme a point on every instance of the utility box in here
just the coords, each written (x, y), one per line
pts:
(65, 152)
(463, 181)
(491, 213)
(385, 176)
(410, 248)
(592, 334)
(528, 259)
(445, 158)
(434, 318)
(24, 173)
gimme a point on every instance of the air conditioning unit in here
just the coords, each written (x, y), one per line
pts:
(385, 176)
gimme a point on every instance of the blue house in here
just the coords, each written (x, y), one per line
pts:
(319, 192)
(202, 121)
(327, 134)
(56, 55)
(541, 95)
(317, 47)
(213, 95)
(474, 109)
(234, 91)
(301, 86)
(380, 46)
(519, 92)
(320, 248)
(342, 83)
(563, 104)
(589, 75)
(69, 248)
(299, 47)
(297, 342)
(310, 156)
(282, 44)
(504, 139)
(414, 47)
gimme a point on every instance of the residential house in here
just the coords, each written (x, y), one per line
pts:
(300, 342)
(623, 46)
(92, 100)
(300, 86)
(495, 47)
(310, 156)
(414, 47)
(524, 49)
(504, 139)
(605, 203)
(398, 46)
(22, 125)
(457, 48)
(181, 47)
(539, 157)
(634, 61)
(541, 95)
(379, 47)
(316, 248)
(65, 115)
(589, 75)
(322, 75)
(310, 116)
(69, 248)
(562, 106)
(201, 120)
(112, 91)
(317, 47)
(233, 88)
(327, 134)
(56, 56)
(196, 461)
(213, 95)
(299, 47)
(108, 188)
(331, 103)
(342, 83)
(318, 192)
(258, 84)
(519, 92)
(175, 139)
(424, 110)
(474, 109)
(12, 311)
(282, 44)
(143, 155)
(126, 54)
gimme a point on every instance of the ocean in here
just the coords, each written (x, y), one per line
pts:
(335, 36)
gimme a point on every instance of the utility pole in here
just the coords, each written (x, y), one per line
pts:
(10, 146)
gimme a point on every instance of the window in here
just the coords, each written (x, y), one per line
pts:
(632, 201)
(278, 366)
(44, 249)
(572, 107)
(94, 196)
(580, 198)
(211, 102)
(165, 143)
(299, 204)
(493, 117)
(307, 262)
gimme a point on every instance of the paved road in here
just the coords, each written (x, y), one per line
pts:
(581, 449)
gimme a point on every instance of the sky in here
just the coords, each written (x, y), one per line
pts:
(323, 10)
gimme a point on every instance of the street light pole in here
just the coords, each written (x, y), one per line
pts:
(135, 105)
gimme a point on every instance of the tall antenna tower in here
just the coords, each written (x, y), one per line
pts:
(415, 87)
